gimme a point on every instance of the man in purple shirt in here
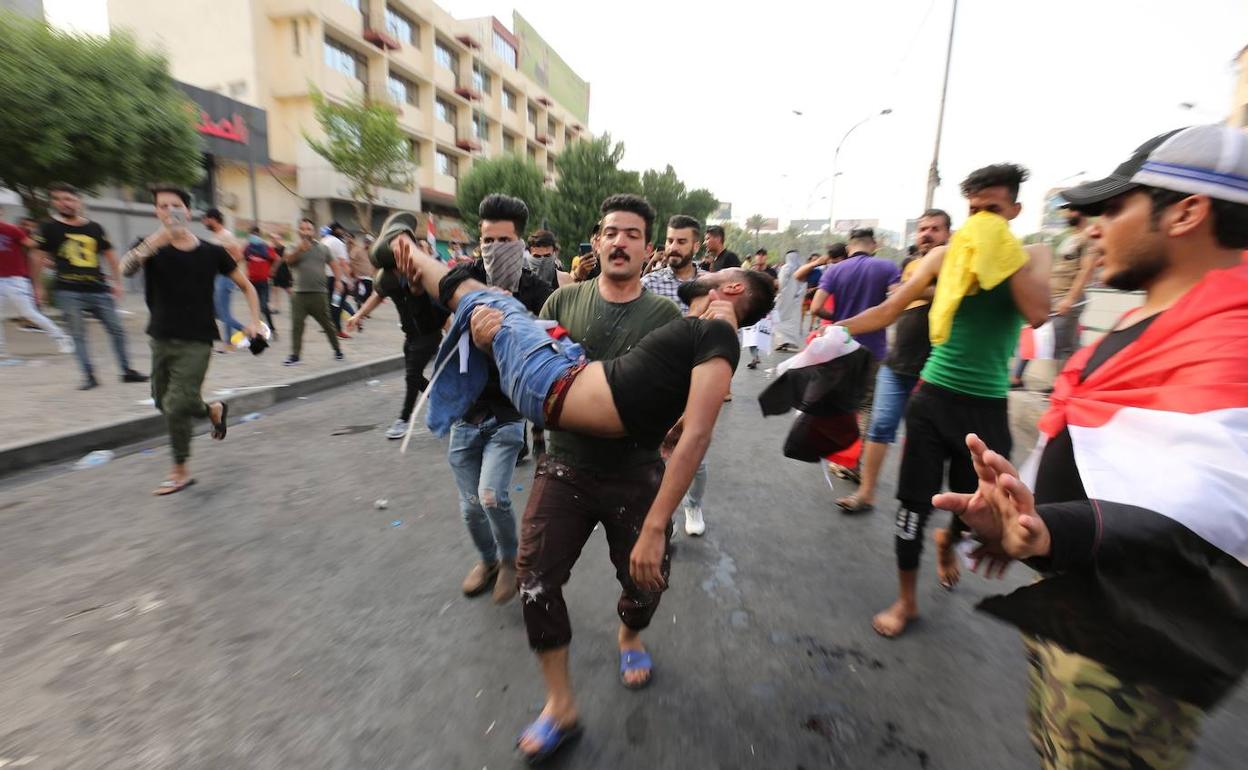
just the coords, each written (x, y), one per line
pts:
(855, 284)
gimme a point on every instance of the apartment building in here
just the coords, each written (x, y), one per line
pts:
(462, 89)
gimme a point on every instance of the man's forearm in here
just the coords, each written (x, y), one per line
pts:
(133, 260)
(114, 264)
(677, 476)
(369, 305)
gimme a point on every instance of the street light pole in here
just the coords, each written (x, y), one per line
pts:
(933, 173)
(836, 158)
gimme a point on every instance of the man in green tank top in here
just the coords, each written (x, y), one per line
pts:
(963, 387)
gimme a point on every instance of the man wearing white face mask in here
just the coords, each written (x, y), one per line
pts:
(485, 444)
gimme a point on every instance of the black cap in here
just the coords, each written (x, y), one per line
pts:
(1090, 197)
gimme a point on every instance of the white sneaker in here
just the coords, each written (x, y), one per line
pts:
(398, 430)
(65, 345)
(694, 525)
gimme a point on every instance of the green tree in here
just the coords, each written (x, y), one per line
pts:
(699, 204)
(755, 223)
(89, 111)
(506, 174)
(364, 143)
(667, 193)
(588, 172)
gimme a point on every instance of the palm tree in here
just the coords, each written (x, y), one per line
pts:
(755, 223)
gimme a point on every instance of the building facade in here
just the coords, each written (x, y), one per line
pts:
(460, 90)
(1239, 104)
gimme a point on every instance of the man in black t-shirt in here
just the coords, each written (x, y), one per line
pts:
(717, 257)
(421, 321)
(75, 244)
(179, 273)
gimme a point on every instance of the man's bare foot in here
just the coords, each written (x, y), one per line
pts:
(630, 641)
(178, 480)
(856, 503)
(947, 571)
(564, 718)
(892, 621)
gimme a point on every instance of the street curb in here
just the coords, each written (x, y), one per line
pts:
(20, 456)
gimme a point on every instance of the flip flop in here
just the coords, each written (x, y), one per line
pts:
(171, 487)
(857, 506)
(219, 428)
(633, 660)
(550, 736)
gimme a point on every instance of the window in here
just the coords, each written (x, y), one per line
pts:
(533, 155)
(413, 147)
(567, 138)
(509, 143)
(444, 111)
(550, 163)
(294, 27)
(550, 128)
(401, 27)
(504, 49)
(481, 127)
(446, 58)
(480, 80)
(533, 116)
(402, 90)
(448, 166)
(509, 99)
(346, 61)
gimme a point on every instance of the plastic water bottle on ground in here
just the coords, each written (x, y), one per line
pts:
(251, 417)
(98, 457)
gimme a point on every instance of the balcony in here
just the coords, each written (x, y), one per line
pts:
(468, 145)
(470, 94)
(542, 138)
(381, 39)
(469, 41)
(316, 179)
(444, 132)
(542, 100)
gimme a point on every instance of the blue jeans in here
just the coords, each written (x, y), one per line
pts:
(697, 488)
(529, 363)
(76, 305)
(892, 391)
(483, 459)
(222, 290)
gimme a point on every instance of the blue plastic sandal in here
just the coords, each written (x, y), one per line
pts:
(633, 660)
(550, 738)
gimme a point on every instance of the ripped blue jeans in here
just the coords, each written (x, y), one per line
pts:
(483, 459)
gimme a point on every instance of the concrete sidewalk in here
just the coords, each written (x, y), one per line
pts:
(46, 418)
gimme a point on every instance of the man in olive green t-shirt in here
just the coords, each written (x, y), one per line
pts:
(963, 388)
(307, 260)
(584, 481)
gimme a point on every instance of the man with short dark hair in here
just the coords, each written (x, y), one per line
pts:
(76, 244)
(543, 257)
(337, 277)
(585, 481)
(179, 272)
(718, 257)
(1137, 627)
(760, 263)
(964, 385)
(308, 260)
(899, 372)
(683, 239)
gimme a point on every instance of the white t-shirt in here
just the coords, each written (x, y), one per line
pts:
(337, 250)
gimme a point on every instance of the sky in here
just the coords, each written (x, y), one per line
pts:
(1067, 88)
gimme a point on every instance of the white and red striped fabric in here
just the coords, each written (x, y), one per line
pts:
(431, 235)
(1163, 425)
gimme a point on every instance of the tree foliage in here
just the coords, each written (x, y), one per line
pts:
(364, 143)
(667, 193)
(89, 111)
(507, 174)
(588, 172)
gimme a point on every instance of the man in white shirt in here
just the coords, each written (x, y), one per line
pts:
(334, 239)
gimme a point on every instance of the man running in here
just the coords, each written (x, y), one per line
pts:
(683, 235)
(16, 271)
(899, 372)
(179, 272)
(76, 244)
(308, 261)
(965, 382)
(1138, 626)
(214, 221)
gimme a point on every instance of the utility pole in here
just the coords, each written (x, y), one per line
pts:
(933, 173)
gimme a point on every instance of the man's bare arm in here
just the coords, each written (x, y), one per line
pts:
(883, 314)
(1030, 285)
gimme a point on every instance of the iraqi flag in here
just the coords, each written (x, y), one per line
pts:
(1160, 438)
(431, 235)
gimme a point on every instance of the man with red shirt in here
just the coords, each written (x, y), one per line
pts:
(17, 265)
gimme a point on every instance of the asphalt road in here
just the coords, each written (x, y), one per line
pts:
(271, 617)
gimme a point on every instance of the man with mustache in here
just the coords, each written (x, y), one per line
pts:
(607, 315)
(683, 233)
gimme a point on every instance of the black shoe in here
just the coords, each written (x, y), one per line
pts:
(752, 365)
(291, 361)
(89, 383)
(133, 376)
(338, 356)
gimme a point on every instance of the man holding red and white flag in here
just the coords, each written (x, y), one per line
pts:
(1139, 517)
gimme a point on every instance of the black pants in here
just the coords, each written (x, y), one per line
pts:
(335, 311)
(418, 349)
(937, 421)
(262, 293)
(563, 508)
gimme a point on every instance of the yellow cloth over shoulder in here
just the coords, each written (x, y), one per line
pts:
(981, 255)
